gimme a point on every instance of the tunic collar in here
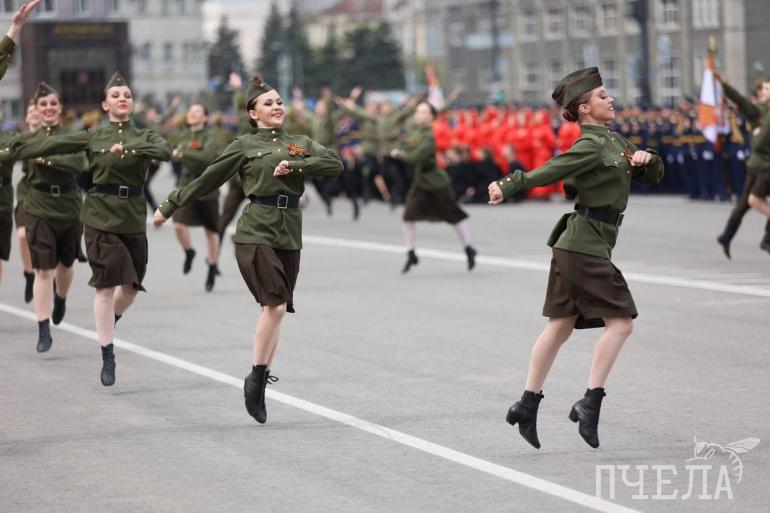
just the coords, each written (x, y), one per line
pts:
(595, 129)
(268, 134)
(122, 124)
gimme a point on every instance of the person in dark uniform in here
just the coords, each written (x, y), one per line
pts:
(757, 184)
(272, 165)
(430, 196)
(8, 43)
(51, 211)
(114, 212)
(31, 124)
(585, 289)
(196, 149)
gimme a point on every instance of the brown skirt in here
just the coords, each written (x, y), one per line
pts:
(18, 215)
(116, 258)
(199, 213)
(6, 232)
(53, 241)
(435, 205)
(588, 286)
(270, 274)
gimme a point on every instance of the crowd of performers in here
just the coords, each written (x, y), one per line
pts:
(92, 183)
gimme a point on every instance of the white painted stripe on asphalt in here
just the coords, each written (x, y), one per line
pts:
(500, 471)
(654, 279)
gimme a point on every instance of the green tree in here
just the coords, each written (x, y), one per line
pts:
(302, 57)
(224, 58)
(271, 46)
(372, 59)
(326, 69)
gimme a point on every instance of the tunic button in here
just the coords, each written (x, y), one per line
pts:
(500, 183)
(103, 150)
(508, 179)
(120, 131)
(616, 162)
(133, 151)
(274, 139)
(259, 154)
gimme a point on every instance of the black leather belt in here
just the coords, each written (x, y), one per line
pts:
(603, 214)
(281, 201)
(121, 191)
(53, 189)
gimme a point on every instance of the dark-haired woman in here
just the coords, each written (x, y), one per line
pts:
(51, 215)
(272, 165)
(430, 198)
(196, 149)
(114, 212)
(585, 290)
(31, 124)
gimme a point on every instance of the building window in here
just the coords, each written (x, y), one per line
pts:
(457, 33)
(164, 7)
(669, 80)
(114, 5)
(531, 76)
(705, 13)
(529, 25)
(168, 53)
(181, 7)
(554, 23)
(611, 76)
(668, 13)
(8, 6)
(581, 20)
(556, 72)
(82, 6)
(145, 52)
(141, 6)
(608, 18)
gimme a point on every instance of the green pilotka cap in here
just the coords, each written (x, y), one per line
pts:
(575, 84)
(43, 89)
(256, 88)
(116, 80)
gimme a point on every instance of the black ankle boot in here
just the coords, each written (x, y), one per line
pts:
(59, 307)
(254, 392)
(108, 365)
(471, 254)
(765, 244)
(586, 411)
(411, 259)
(356, 210)
(189, 254)
(212, 276)
(44, 339)
(524, 412)
(29, 278)
(727, 235)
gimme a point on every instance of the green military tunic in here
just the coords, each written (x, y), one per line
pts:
(22, 187)
(54, 170)
(198, 149)
(419, 150)
(380, 132)
(6, 173)
(7, 46)
(254, 157)
(596, 173)
(757, 115)
(102, 211)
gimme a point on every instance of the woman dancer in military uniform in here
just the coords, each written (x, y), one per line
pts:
(114, 211)
(32, 123)
(196, 149)
(272, 165)
(585, 290)
(51, 213)
(430, 198)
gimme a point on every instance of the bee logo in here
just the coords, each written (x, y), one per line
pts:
(704, 451)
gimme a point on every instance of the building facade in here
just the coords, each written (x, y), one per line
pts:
(520, 48)
(168, 54)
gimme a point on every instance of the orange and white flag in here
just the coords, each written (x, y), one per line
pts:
(712, 114)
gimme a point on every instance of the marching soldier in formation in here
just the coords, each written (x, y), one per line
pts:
(31, 124)
(585, 290)
(114, 212)
(273, 166)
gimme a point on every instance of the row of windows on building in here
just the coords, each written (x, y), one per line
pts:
(86, 7)
(184, 52)
(581, 20)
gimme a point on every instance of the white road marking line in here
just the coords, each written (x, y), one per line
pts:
(654, 279)
(509, 474)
